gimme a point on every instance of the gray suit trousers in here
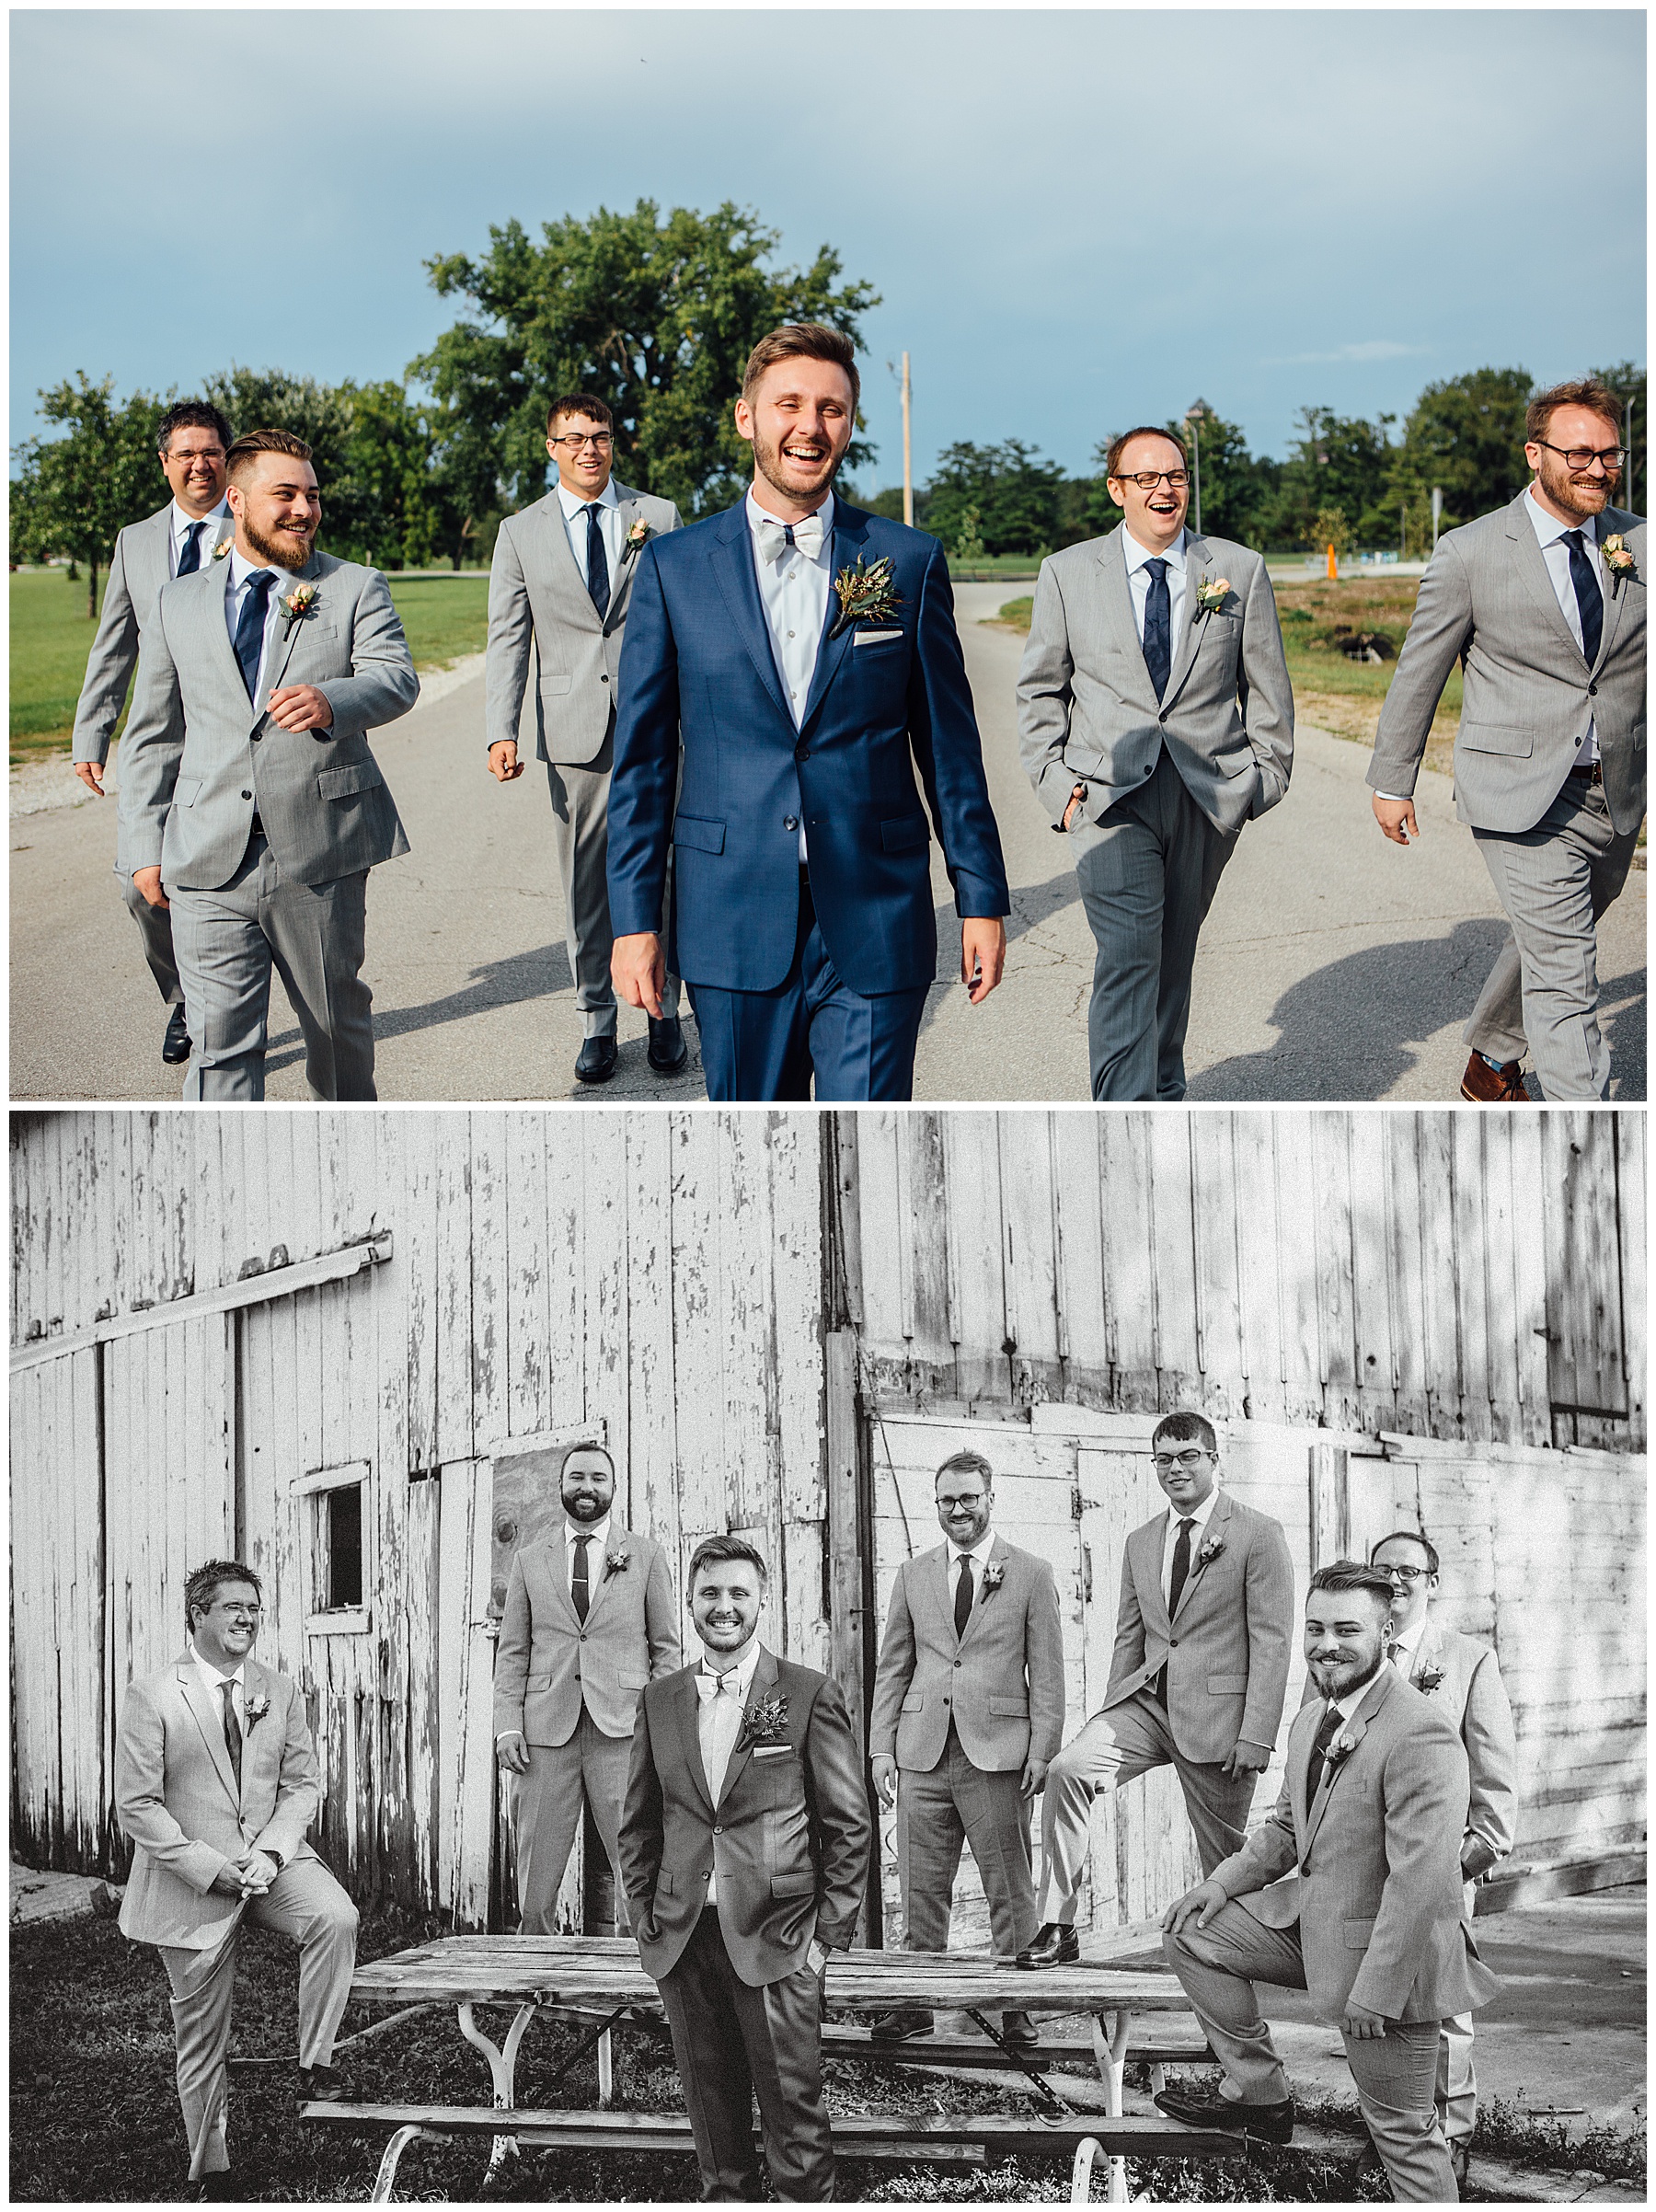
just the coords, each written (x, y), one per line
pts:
(155, 926)
(1395, 2074)
(581, 831)
(227, 941)
(957, 1803)
(1147, 873)
(545, 1817)
(1555, 881)
(305, 1903)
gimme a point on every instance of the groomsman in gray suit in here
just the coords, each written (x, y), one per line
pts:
(590, 1618)
(1543, 606)
(192, 440)
(250, 801)
(1370, 1919)
(1196, 1681)
(558, 592)
(1462, 1677)
(1154, 718)
(968, 1711)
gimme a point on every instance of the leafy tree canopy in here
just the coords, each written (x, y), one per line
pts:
(77, 492)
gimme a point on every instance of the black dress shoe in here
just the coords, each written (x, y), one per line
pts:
(1054, 1945)
(323, 2085)
(897, 2025)
(595, 1062)
(1269, 2123)
(1018, 2028)
(668, 1051)
(175, 1044)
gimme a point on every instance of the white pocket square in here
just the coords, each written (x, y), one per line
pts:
(771, 1751)
(874, 637)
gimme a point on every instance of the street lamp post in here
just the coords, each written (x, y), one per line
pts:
(1198, 412)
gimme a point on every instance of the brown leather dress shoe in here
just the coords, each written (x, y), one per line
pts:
(1487, 1086)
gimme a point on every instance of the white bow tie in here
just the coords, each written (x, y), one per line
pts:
(710, 1685)
(775, 537)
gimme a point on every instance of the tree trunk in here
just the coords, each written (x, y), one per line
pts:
(92, 591)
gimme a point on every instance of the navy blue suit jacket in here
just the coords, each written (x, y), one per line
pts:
(698, 666)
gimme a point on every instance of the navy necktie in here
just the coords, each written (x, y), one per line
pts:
(1181, 1567)
(597, 561)
(581, 1595)
(1589, 599)
(189, 559)
(963, 1595)
(233, 1734)
(1159, 627)
(251, 629)
(1317, 1771)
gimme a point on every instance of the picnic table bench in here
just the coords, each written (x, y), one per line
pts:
(599, 1979)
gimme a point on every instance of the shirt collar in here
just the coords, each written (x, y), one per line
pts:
(1138, 555)
(211, 1676)
(598, 1532)
(979, 1552)
(1409, 1641)
(572, 501)
(1202, 1515)
(1346, 1707)
(757, 514)
(743, 1670)
(1548, 528)
(241, 568)
(181, 522)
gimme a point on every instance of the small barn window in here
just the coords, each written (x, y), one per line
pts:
(335, 1534)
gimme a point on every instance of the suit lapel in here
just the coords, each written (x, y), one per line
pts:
(1190, 626)
(760, 1687)
(598, 1581)
(847, 542)
(557, 1565)
(733, 568)
(287, 629)
(997, 1553)
(1617, 591)
(1532, 567)
(621, 581)
(568, 575)
(209, 1716)
(689, 1715)
(1212, 1533)
(1353, 1730)
(1118, 616)
(942, 1591)
(1152, 1542)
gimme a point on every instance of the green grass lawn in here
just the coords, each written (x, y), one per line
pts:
(445, 617)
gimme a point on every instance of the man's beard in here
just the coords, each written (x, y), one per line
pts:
(1584, 497)
(282, 554)
(767, 459)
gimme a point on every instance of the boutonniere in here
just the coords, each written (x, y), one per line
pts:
(257, 1709)
(222, 550)
(1428, 1680)
(1339, 1751)
(1211, 593)
(994, 1573)
(1618, 560)
(765, 1723)
(616, 1560)
(636, 540)
(297, 604)
(1209, 1548)
(866, 595)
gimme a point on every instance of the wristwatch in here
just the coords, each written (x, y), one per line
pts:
(279, 1857)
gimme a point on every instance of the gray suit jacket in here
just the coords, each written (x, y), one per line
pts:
(140, 565)
(538, 603)
(1087, 709)
(177, 1798)
(1462, 1677)
(1377, 1893)
(198, 760)
(1002, 1683)
(547, 1663)
(1528, 694)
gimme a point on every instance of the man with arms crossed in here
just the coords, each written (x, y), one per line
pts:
(1462, 1677)
(1196, 1679)
(1368, 1827)
(215, 1784)
(969, 1708)
(250, 801)
(558, 588)
(744, 1849)
(806, 654)
(590, 1618)
(1543, 605)
(1154, 718)
(192, 440)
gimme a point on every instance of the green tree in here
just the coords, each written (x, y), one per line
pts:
(75, 492)
(655, 314)
(1627, 382)
(1335, 461)
(321, 415)
(1013, 493)
(1466, 435)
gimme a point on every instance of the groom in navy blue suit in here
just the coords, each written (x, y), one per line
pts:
(804, 653)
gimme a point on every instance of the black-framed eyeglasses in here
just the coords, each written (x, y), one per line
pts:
(1188, 1462)
(600, 439)
(1583, 456)
(1407, 1575)
(1148, 478)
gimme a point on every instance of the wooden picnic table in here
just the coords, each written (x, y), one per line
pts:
(600, 1977)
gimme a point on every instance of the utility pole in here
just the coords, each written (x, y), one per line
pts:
(1194, 415)
(1403, 531)
(908, 464)
(1437, 508)
(1632, 403)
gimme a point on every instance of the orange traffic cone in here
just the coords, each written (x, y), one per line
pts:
(1333, 566)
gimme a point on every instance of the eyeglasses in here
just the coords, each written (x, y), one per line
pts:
(238, 1612)
(601, 440)
(1406, 1574)
(1165, 1462)
(1583, 456)
(1148, 478)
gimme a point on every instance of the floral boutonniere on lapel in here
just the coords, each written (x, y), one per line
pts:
(222, 550)
(637, 539)
(1339, 1751)
(257, 1709)
(1618, 560)
(1428, 1680)
(866, 595)
(765, 1723)
(1209, 1548)
(297, 604)
(616, 1560)
(1211, 593)
(994, 1573)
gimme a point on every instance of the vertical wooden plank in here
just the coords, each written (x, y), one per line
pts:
(1029, 1254)
(652, 1490)
(1217, 1259)
(972, 1171)
(1440, 1321)
(456, 1429)
(486, 1257)
(1502, 1350)
(1304, 1363)
(1631, 1222)
(1331, 1175)
(417, 1256)
(1180, 1381)
(1470, 1170)
(922, 1232)
(1129, 1258)
(1259, 1290)
(1080, 1239)
(797, 1347)
(528, 1298)
(1371, 1276)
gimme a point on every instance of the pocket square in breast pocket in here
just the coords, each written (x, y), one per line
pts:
(773, 1751)
(874, 637)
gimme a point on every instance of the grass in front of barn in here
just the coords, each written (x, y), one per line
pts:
(95, 2118)
(445, 617)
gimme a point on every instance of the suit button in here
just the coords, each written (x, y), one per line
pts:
(957, 1663)
(247, 794)
(718, 1831)
(604, 679)
(790, 822)
(1593, 691)
(802, 752)
(1172, 1643)
(946, 1701)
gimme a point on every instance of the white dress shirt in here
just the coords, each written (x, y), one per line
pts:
(794, 593)
(598, 1532)
(236, 592)
(978, 1555)
(1408, 1644)
(1550, 533)
(1138, 581)
(608, 503)
(182, 523)
(1202, 1515)
(213, 1678)
(719, 1723)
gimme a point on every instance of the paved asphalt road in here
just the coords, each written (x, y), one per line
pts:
(1333, 966)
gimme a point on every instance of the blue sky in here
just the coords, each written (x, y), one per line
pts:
(1075, 219)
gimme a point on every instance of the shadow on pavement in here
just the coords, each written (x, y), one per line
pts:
(512, 982)
(1032, 905)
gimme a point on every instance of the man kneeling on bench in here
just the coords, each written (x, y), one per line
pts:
(1369, 1916)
